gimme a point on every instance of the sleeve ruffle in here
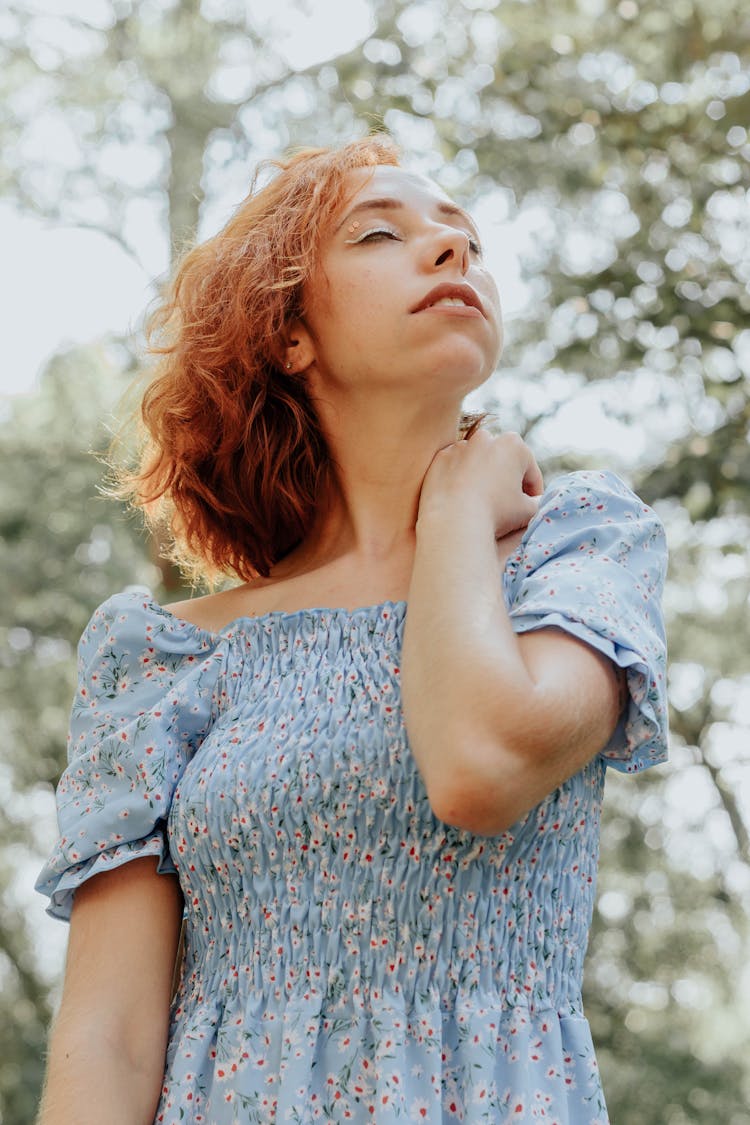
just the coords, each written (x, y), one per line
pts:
(147, 694)
(592, 562)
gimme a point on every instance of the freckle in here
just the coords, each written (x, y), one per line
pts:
(353, 227)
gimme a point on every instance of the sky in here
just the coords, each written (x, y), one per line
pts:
(60, 285)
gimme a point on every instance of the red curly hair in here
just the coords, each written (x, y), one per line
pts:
(232, 457)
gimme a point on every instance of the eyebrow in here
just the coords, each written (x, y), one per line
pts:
(386, 203)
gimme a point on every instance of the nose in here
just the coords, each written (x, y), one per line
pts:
(452, 246)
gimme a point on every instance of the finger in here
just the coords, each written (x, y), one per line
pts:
(523, 515)
(533, 481)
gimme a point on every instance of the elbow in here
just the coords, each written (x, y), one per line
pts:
(471, 816)
(493, 786)
(483, 802)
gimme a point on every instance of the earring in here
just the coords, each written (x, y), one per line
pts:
(289, 366)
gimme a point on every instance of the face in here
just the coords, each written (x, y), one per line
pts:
(401, 299)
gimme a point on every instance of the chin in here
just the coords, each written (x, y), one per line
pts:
(465, 372)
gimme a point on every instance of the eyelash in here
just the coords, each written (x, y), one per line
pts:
(366, 235)
(474, 244)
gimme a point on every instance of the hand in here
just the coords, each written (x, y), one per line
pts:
(497, 472)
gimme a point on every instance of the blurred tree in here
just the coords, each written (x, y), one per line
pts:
(63, 547)
(615, 133)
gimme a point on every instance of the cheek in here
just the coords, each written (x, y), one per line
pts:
(492, 303)
(363, 309)
(493, 299)
(498, 320)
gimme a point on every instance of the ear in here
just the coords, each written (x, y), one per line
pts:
(299, 351)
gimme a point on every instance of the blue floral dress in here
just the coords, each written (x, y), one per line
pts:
(350, 957)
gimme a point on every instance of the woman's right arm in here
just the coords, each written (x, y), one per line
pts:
(108, 1043)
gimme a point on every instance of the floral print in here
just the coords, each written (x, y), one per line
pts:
(349, 957)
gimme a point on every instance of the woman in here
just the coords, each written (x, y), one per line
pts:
(381, 823)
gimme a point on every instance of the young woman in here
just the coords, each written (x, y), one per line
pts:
(370, 773)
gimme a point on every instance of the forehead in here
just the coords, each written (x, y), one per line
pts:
(409, 188)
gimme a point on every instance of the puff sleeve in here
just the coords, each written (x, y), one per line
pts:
(592, 562)
(147, 694)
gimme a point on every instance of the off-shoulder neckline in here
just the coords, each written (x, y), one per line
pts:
(241, 622)
(341, 612)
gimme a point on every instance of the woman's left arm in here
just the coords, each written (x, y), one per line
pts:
(495, 720)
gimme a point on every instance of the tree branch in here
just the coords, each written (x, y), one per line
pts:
(731, 806)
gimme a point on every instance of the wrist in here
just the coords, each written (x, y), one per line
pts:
(463, 514)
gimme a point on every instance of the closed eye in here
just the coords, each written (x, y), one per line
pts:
(374, 235)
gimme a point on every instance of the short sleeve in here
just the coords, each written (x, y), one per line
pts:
(146, 695)
(593, 562)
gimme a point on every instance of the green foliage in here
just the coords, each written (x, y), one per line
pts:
(617, 131)
(63, 549)
(63, 544)
(654, 983)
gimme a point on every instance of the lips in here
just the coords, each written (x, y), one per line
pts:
(460, 292)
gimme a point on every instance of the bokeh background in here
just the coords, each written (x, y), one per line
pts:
(603, 145)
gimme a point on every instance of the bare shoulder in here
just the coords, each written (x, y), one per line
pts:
(214, 611)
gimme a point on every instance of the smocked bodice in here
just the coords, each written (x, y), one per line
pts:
(311, 857)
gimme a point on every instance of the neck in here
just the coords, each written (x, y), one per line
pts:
(369, 515)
